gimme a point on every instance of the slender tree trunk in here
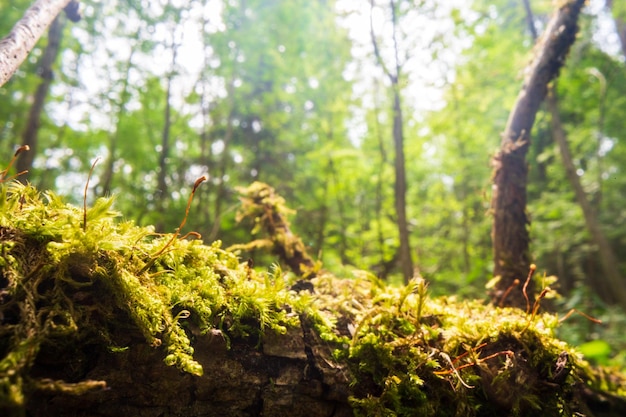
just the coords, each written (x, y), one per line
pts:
(510, 233)
(162, 192)
(384, 263)
(30, 134)
(463, 191)
(343, 222)
(220, 194)
(206, 159)
(614, 281)
(400, 187)
(21, 40)
(613, 288)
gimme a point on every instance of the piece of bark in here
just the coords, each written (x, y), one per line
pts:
(289, 375)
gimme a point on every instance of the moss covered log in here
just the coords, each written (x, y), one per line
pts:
(100, 317)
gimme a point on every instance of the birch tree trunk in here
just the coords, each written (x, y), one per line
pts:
(15, 47)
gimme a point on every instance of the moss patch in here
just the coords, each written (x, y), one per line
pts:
(108, 284)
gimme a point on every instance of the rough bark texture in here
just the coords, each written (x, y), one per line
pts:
(290, 375)
(612, 279)
(16, 46)
(510, 233)
(30, 134)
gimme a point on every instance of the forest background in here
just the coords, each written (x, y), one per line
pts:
(311, 97)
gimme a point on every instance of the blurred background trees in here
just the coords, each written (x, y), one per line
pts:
(292, 93)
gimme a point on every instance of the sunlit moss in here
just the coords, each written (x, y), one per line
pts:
(63, 282)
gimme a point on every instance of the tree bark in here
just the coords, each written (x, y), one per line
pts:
(162, 189)
(14, 48)
(509, 232)
(342, 246)
(608, 260)
(291, 375)
(30, 134)
(616, 291)
(221, 194)
(400, 186)
(83, 330)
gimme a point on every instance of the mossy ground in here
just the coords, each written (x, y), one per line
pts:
(71, 276)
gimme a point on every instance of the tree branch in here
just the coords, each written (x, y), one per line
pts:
(14, 48)
(379, 58)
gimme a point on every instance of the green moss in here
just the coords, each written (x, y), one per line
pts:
(414, 355)
(63, 283)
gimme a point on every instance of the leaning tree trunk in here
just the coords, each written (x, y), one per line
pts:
(612, 288)
(20, 41)
(510, 233)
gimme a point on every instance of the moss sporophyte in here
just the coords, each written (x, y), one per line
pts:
(72, 276)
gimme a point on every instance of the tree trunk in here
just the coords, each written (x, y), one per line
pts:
(291, 375)
(224, 163)
(509, 232)
(15, 47)
(162, 192)
(30, 134)
(404, 250)
(406, 262)
(380, 182)
(609, 262)
(615, 291)
(342, 247)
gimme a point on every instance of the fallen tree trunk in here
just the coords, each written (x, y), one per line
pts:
(101, 318)
(288, 375)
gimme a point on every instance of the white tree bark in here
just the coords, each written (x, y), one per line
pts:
(14, 48)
